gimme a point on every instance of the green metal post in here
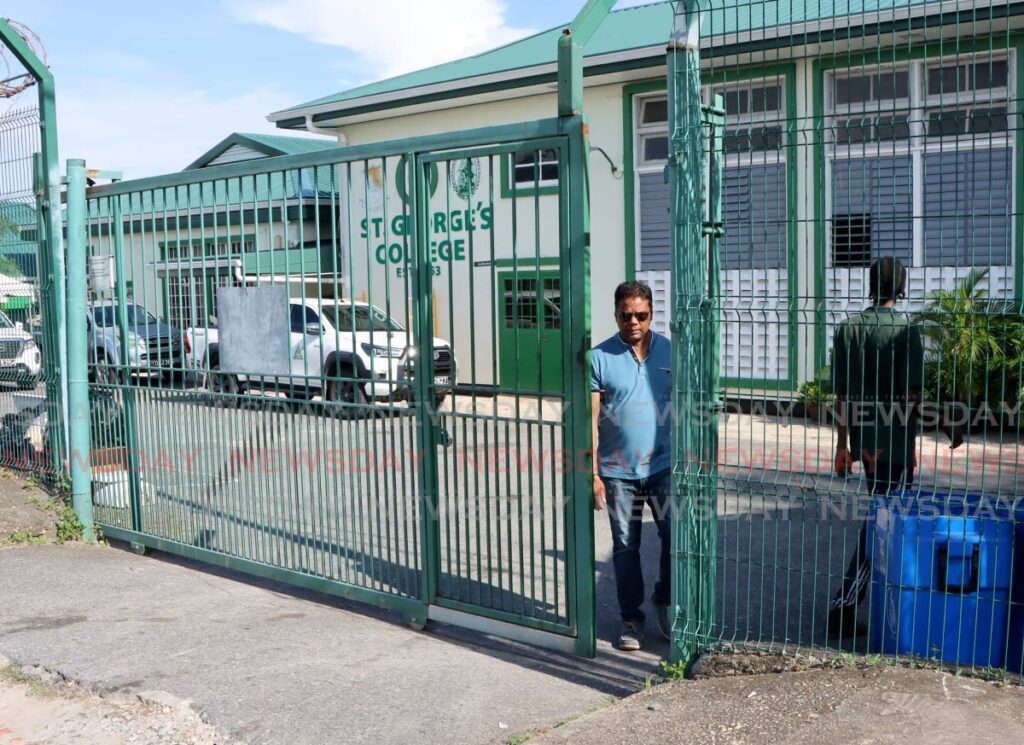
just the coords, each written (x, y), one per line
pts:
(51, 337)
(579, 479)
(579, 484)
(693, 498)
(123, 369)
(78, 382)
(425, 410)
(570, 54)
(49, 201)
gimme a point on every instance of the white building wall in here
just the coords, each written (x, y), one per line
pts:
(603, 105)
(466, 310)
(146, 270)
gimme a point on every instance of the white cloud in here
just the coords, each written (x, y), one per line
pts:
(389, 36)
(146, 130)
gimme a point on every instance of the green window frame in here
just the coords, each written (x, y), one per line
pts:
(544, 187)
(787, 72)
(1013, 45)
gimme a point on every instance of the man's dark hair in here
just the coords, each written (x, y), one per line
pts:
(634, 290)
(887, 278)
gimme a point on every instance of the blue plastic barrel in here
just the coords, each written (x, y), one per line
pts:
(1015, 634)
(941, 568)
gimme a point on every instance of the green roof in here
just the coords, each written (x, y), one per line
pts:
(636, 28)
(270, 145)
(286, 145)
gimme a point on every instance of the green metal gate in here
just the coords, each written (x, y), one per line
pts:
(382, 460)
(508, 464)
(332, 415)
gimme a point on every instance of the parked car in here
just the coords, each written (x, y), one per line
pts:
(153, 347)
(20, 360)
(345, 351)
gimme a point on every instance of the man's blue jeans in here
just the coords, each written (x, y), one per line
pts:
(626, 499)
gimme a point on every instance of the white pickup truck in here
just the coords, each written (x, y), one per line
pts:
(356, 348)
(20, 361)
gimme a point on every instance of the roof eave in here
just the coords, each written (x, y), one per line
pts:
(815, 31)
(460, 87)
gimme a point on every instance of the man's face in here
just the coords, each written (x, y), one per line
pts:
(634, 318)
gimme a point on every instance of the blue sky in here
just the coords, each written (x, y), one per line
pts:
(146, 87)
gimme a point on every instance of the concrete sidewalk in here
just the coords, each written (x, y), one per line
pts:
(267, 664)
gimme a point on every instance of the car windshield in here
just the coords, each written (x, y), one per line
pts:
(5, 322)
(137, 316)
(362, 317)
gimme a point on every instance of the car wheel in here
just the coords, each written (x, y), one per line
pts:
(345, 398)
(224, 387)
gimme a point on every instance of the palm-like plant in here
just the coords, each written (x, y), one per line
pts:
(970, 339)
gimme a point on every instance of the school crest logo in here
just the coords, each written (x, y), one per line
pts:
(465, 177)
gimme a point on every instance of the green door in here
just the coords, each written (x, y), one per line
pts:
(530, 336)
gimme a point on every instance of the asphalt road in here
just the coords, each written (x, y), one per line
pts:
(290, 485)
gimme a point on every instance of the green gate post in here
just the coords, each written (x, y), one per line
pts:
(52, 338)
(426, 412)
(122, 368)
(48, 198)
(580, 484)
(78, 371)
(693, 535)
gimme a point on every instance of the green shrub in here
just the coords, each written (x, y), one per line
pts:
(818, 392)
(69, 527)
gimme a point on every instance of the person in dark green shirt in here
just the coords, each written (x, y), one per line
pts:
(877, 373)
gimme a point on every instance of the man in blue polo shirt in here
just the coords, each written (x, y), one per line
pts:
(631, 390)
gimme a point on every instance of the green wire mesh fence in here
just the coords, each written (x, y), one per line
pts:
(862, 475)
(27, 355)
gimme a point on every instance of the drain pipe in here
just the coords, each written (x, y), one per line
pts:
(336, 133)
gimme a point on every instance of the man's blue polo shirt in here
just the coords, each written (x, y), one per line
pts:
(633, 431)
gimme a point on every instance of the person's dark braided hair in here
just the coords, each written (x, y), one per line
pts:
(887, 278)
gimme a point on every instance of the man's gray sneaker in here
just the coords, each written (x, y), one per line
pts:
(664, 616)
(631, 637)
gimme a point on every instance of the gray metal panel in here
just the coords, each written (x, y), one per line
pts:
(655, 229)
(754, 214)
(253, 329)
(881, 188)
(967, 208)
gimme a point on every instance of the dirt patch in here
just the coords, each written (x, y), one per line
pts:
(28, 514)
(729, 661)
(814, 707)
(38, 706)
